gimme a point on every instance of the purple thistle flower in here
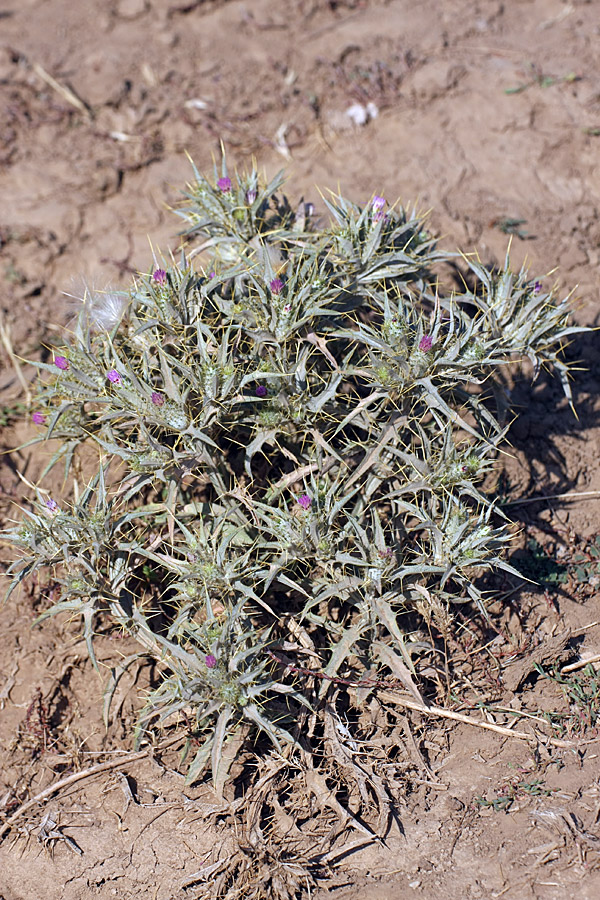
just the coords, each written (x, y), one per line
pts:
(157, 398)
(305, 501)
(426, 343)
(52, 505)
(224, 184)
(250, 196)
(210, 661)
(113, 376)
(276, 286)
(211, 275)
(261, 391)
(61, 362)
(38, 418)
(160, 276)
(378, 207)
(537, 287)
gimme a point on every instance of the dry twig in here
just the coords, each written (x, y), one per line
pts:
(394, 697)
(85, 773)
(65, 92)
(6, 341)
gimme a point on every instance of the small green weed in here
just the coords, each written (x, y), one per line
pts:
(581, 691)
(517, 789)
(586, 562)
(14, 275)
(8, 414)
(542, 568)
(543, 81)
(580, 573)
(513, 226)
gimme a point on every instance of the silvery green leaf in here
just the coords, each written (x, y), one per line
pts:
(200, 761)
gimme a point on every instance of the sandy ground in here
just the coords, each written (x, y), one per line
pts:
(487, 113)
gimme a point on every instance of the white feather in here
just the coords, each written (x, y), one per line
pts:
(104, 308)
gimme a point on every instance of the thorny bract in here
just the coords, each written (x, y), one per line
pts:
(292, 435)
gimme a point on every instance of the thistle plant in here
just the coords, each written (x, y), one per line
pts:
(293, 424)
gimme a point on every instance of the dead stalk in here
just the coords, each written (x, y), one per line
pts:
(85, 773)
(393, 697)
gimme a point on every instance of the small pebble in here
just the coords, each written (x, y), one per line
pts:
(131, 9)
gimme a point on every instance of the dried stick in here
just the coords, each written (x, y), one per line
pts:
(65, 92)
(85, 773)
(569, 495)
(6, 341)
(580, 664)
(393, 697)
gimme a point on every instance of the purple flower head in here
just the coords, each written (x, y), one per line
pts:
(52, 505)
(261, 391)
(287, 308)
(224, 184)
(61, 362)
(250, 196)
(211, 275)
(38, 418)
(276, 286)
(305, 501)
(210, 661)
(157, 398)
(378, 207)
(537, 287)
(160, 276)
(113, 376)
(426, 343)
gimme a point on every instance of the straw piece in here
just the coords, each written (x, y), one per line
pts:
(85, 773)
(580, 664)
(569, 495)
(393, 697)
(65, 92)
(6, 341)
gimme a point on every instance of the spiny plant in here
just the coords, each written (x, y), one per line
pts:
(293, 424)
